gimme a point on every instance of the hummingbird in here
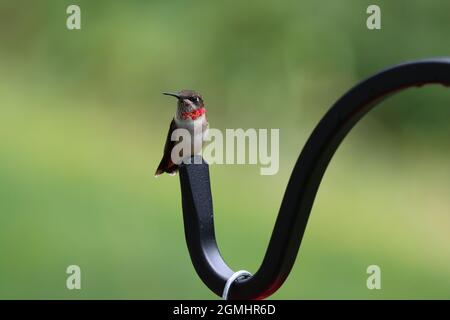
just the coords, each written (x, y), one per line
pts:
(190, 114)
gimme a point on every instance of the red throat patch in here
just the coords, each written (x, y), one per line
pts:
(193, 114)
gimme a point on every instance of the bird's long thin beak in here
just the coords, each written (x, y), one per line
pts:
(172, 94)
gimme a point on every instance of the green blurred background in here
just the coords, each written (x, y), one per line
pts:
(83, 123)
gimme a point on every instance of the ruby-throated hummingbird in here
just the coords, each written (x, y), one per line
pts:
(190, 114)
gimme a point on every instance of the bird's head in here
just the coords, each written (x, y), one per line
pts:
(188, 100)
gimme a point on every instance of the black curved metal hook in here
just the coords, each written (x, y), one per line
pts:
(301, 189)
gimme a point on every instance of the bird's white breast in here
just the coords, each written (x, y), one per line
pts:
(196, 128)
(190, 124)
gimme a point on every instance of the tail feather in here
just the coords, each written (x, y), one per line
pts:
(166, 165)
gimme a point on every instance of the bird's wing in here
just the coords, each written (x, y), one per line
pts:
(169, 143)
(166, 164)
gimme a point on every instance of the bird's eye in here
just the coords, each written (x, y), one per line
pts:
(195, 99)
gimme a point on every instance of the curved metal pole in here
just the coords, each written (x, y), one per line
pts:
(301, 189)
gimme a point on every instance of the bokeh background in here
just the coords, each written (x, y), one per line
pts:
(83, 123)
